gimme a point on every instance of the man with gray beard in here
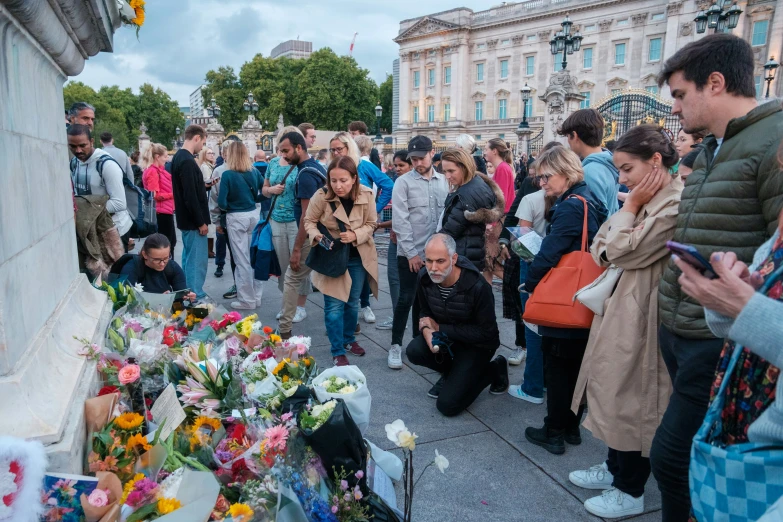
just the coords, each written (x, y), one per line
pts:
(459, 331)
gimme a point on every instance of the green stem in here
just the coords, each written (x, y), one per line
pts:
(422, 473)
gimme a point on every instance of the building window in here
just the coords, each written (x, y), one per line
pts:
(558, 62)
(619, 54)
(654, 54)
(479, 72)
(415, 56)
(430, 113)
(416, 79)
(760, 32)
(431, 53)
(530, 37)
(656, 17)
(622, 23)
(443, 136)
(479, 110)
(447, 75)
(652, 89)
(481, 46)
(587, 58)
(585, 104)
(530, 65)
(505, 42)
(416, 114)
(501, 136)
(589, 28)
(430, 77)
(504, 68)
(502, 109)
(477, 136)
(757, 83)
(446, 112)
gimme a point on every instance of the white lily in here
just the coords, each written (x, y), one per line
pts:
(400, 435)
(441, 462)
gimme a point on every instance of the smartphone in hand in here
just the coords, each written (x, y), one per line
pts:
(326, 243)
(690, 255)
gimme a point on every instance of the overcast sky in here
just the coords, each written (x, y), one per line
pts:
(183, 39)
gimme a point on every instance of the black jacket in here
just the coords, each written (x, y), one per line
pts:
(190, 194)
(564, 236)
(467, 212)
(481, 163)
(467, 316)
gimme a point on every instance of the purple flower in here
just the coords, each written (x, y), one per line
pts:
(347, 497)
(344, 485)
(334, 509)
(360, 474)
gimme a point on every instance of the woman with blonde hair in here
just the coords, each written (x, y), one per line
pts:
(157, 180)
(279, 184)
(474, 202)
(561, 175)
(344, 212)
(206, 162)
(240, 188)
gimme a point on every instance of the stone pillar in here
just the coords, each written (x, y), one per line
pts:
(215, 136)
(562, 98)
(144, 140)
(44, 300)
(251, 133)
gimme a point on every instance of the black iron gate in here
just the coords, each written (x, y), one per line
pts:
(627, 109)
(535, 144)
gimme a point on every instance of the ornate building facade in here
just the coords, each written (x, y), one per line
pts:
(461, 71)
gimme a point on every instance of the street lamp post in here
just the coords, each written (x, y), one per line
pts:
(178, 139)
(769, 69)
(721, 17)
(378, 113)
(525, 98)
(565, 42)
(213, 109)
(250, 105)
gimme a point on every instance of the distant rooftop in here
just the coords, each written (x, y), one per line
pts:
(292, 45)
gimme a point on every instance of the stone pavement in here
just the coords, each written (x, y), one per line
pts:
(494, 473)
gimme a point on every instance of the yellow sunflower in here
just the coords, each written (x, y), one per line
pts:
(275, 338)
(240, 512)
(167, 505)
(279, 367)
(128, 421)
(129, 486)
(206, 421)
(137, 440)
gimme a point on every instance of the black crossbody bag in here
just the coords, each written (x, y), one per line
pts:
(333, 262)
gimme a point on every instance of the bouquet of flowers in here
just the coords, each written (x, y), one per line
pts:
(349, 384)
(205, 387)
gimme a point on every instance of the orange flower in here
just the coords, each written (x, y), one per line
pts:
(268, 330)
(137, 440)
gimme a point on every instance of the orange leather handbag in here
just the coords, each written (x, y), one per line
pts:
(552, 303)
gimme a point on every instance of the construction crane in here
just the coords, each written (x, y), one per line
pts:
(350, 50)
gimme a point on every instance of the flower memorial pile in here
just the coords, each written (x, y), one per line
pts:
(207, 415)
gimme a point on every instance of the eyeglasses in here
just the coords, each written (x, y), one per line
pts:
(543, 178)
(338, 149)
(157, 261)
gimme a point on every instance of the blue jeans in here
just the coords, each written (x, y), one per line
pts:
(533, 380)
(393, 274)
(195, 259)
(340, 317)
(364, 297)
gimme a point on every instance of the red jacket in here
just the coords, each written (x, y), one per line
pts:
(158, 180)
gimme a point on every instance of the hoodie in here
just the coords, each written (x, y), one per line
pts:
(88, 181)
(602, 177)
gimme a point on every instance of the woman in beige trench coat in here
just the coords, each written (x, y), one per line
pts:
(344, 199)
(623, 376)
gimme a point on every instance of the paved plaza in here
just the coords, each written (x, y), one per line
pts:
(494, 473)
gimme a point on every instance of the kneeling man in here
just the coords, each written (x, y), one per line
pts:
(459, 332)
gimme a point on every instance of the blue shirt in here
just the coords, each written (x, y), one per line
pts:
(312, 177)
(239, 191)
(369, 174)
(284, 204)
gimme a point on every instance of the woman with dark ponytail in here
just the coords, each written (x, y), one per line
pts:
(623, 376)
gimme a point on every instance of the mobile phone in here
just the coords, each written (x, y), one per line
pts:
(690, 255)
(326, 242)
(180, 294)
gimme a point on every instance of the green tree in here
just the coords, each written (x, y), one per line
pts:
(266, 79)
(224, 86)
(386, 97)
(159, 113)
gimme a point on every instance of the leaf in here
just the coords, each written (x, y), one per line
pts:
(142, 513)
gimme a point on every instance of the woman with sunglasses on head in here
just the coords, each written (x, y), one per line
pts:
(154, 269)
(623, 377)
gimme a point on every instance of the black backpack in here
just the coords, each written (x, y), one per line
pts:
(139, 202)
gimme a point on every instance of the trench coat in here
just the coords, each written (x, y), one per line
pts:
(362, 222)
(623, 376)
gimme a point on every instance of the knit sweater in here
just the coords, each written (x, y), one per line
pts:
(759, 328)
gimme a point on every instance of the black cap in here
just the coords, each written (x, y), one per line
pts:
(419, 146)
(436, 157)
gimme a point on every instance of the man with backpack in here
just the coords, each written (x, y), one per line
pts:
(94, 172)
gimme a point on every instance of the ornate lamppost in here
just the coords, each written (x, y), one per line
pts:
(378, 113)
(525, 91)
(213, 109)
(565, 42)
(178, 138)
(250, 105)
(719, 17)
(769, 69)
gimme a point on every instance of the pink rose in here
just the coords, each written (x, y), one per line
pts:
(98, 498)
(128, 374)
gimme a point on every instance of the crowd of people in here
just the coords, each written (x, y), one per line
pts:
(671, 334)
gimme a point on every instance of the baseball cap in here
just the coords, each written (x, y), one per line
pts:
(419, 146)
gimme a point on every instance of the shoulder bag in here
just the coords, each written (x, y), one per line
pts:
(552, 304)
(332, 262)
(263, 257)
(594, 295)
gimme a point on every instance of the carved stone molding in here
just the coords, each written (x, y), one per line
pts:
(478, 95)
(605, 25)
(405, 57)
(673, 8)
(703, 5)
(761, 9)
(545, 34)
(492, 43)
(617, 83)
(686, 28)
(649, 79)
(517, 39)
(585, 85)
(502, 93)
(638, 19)
(426, 26)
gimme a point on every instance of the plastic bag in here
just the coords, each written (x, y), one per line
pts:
(358, 402)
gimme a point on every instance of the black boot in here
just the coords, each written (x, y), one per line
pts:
(549, 439)
(573, 436)
(437, 387)
(500, 380)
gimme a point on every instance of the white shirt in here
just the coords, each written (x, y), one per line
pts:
(720, 142)
(532, 208)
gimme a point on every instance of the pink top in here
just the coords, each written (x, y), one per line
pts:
(504, 177)
(158, 180)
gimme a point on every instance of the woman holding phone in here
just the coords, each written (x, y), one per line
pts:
(154, 269)
(347, 201)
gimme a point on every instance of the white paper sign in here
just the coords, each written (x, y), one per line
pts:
(168, 408)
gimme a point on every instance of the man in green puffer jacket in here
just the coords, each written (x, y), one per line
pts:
(730, 203)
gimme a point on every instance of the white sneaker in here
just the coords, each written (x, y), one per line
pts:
(300, 315)
(516, 392)
(279, 315)
(367, 314)
(386, 325)
(597, 477)
(395, 357)
(613, 503)
(517, 356)
(239, 305)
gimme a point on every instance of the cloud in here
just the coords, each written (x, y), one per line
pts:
(182, 40)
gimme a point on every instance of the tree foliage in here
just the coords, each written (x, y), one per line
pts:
(326, 90)
(121, 112)
(386, 96)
